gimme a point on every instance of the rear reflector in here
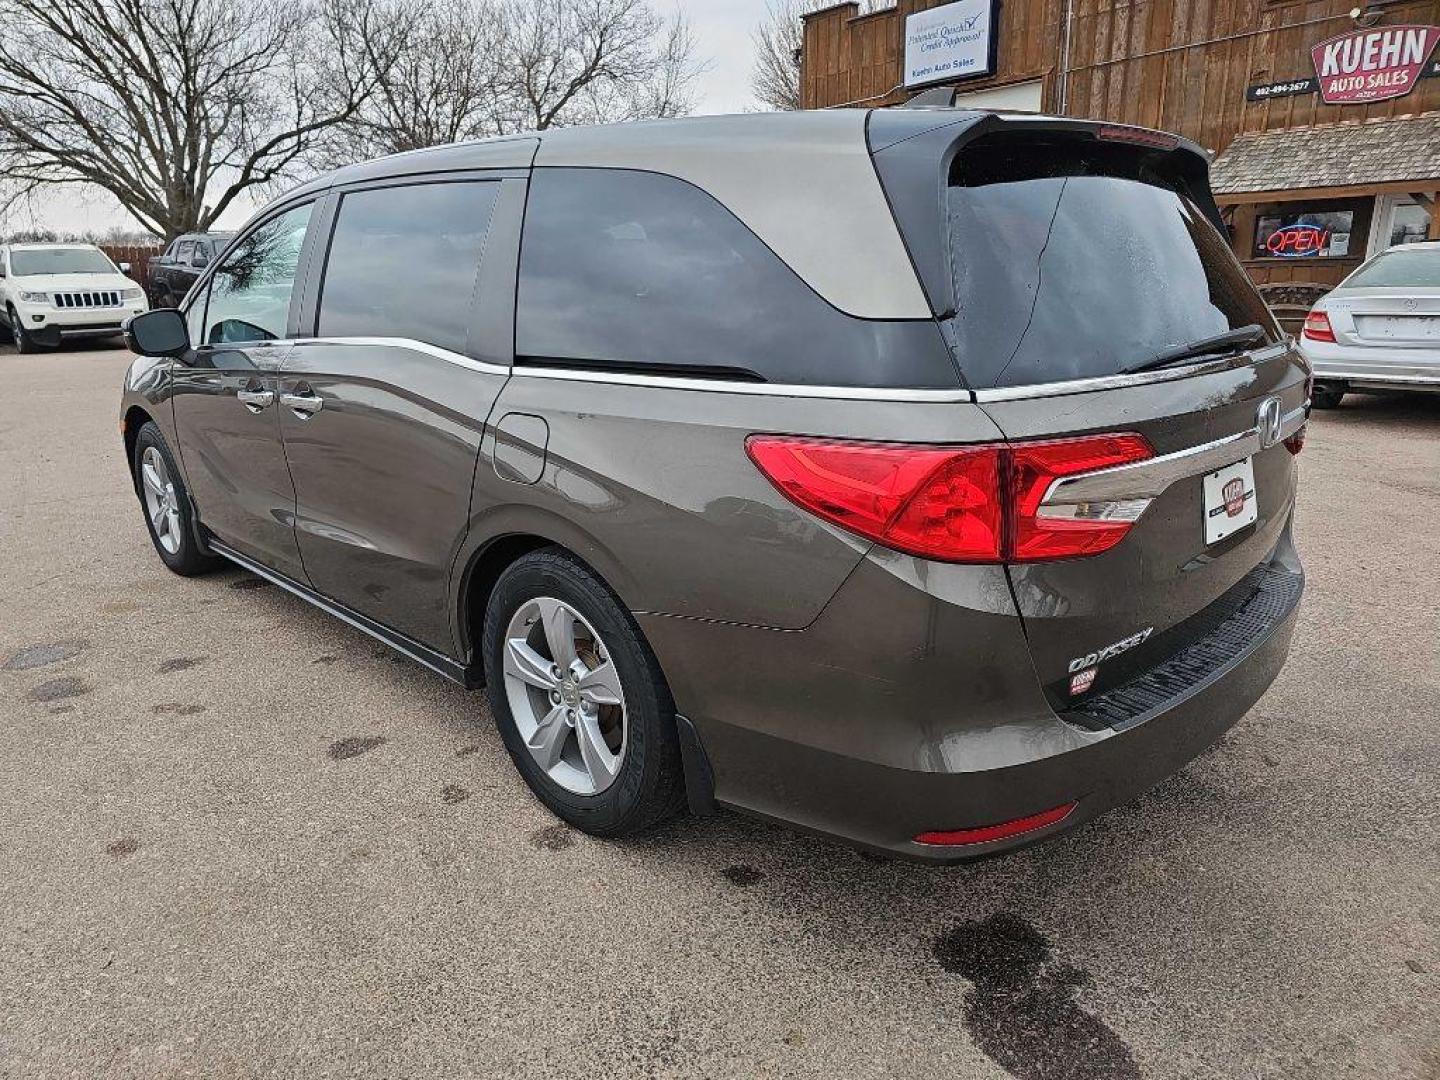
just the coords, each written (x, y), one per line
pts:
(967, 504)
(1317, 327)
(1295, 443)
(986, 833)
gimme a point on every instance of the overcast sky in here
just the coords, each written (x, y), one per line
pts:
(722, 36)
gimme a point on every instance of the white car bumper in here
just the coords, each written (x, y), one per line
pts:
(1371, 366)
(51, 325)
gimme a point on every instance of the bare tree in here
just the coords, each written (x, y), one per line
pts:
(775, 79)
(177, 107)
(471, 68)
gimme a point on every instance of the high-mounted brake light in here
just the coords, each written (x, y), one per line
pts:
(986, 833)
(1139, 136)
(1317, 327)
(966, 504)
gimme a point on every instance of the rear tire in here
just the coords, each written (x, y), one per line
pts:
(165, 503)
(1326, 396)
(594, 737)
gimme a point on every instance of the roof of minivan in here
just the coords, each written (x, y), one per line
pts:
(802, 181)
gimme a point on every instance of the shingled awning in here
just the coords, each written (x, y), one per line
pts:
(1377, 152)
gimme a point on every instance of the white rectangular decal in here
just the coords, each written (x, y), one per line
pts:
(1230, 500)
(954, 41)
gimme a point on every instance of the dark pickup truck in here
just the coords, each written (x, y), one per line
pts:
(172, 274)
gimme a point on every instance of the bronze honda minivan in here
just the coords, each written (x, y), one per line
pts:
(922, 477)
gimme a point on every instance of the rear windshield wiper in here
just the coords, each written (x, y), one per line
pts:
(1226, 344)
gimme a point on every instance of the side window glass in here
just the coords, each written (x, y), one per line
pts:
(403, 262)
(645, 272)
(250, 291)
(183, 250)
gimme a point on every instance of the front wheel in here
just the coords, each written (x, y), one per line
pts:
(23, 342)
(168, 514)
(579, 699)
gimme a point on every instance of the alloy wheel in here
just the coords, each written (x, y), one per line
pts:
(161, 502)
(565, 695)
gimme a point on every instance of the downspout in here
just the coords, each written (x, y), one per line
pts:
(1065, 58)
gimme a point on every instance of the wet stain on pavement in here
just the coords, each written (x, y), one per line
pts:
(742, 876)
(245, 584)
(180, 663)
(126, 845)
(67, 686)
(466, 751)
(451, 794)
(552, 838)
(34, 656)
(1021, 1010)
(174, 708)
(354, 746)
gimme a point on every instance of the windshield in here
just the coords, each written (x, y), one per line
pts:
(1075, 259)
(27, 261)
(1397, 269)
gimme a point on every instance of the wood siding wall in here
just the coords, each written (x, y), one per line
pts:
(1181, 65)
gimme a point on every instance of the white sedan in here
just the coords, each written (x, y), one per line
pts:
(51, 293)
(1380, 328)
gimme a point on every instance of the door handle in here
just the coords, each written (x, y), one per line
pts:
(303, 405)
(255, 400)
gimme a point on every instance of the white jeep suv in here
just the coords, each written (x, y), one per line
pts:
(51, 293)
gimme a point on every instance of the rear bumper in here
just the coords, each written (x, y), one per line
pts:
(1365, 367)
(877, 778)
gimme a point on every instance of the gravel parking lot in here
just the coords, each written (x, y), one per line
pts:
(240, 839)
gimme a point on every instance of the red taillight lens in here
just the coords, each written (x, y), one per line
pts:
(976, 504)
(938, 502)
(1035, 466)
(985, 833)
(1317, 327)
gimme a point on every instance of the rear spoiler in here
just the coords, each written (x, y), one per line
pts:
(914, 147)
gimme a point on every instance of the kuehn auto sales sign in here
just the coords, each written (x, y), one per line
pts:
(1372, 65)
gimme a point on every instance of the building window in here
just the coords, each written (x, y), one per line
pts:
(1304, 234)
(1410, 224)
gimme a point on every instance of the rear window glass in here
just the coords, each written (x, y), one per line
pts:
(403, 262)
(637, 271)
(1397, 269)
(1074, 260)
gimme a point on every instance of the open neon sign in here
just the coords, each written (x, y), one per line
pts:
(1297, 241)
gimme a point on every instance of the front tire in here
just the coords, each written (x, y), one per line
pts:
(579, 699)
(166, 505)
(23, 342)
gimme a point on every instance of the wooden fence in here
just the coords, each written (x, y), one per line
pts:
(137, 255)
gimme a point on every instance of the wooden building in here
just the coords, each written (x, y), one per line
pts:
(1309, 188)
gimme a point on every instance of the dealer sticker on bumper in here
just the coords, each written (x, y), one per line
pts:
(1230, 500)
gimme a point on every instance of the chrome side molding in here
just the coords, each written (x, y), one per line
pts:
(1142, 481)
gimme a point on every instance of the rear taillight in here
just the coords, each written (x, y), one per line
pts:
(969, 504)
(939, 502)
(1317, 327)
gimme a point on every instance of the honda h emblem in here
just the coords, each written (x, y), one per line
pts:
(1269, 421)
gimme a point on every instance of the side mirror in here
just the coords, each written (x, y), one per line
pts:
(125, 268)
(161, 332)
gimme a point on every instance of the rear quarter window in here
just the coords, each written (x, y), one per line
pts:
(637, 271)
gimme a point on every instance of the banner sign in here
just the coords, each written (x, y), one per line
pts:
(954, 41)
(1292, 87)
(1372, 65)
